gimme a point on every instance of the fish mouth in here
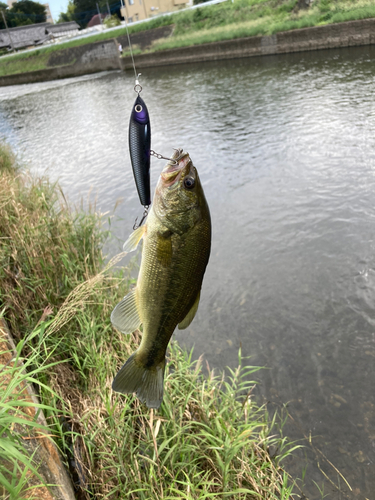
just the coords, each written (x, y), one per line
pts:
(172, 172)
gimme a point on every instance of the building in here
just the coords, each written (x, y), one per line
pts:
(136, 10)
(35, 34)
(24, 36)
(49, 18)
(69, 28)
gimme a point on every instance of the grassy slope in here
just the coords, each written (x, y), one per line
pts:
(260, 17)
(224, 21)
(209, 438)
(37, 59)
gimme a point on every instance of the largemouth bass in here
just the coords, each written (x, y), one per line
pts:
(176, 248)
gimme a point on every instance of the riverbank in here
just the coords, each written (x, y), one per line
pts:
(239, 29)
(208, 439)
(103, 56)
(349, 34)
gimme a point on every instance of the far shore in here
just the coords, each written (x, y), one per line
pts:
(103, 56)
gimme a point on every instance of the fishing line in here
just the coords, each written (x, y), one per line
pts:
(138, 90)
(131, 54)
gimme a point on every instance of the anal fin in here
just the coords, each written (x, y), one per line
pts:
(190, 315)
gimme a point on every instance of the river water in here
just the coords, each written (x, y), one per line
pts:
(285, 148)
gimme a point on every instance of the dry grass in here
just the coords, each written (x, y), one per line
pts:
(45, 249)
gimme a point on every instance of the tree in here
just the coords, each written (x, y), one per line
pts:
(82, 11)
(26, 12)
(112, 21)
(69, 15)
(85, 10)
(3, 7)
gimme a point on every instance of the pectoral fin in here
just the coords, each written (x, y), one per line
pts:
(125, 316)
(190, 315)
(132, 242)
(164, 249)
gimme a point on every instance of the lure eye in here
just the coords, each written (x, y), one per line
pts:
(138, 108)
(189, 182)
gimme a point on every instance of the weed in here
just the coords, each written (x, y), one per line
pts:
(46, 249)
(19, 419)
(8, 162)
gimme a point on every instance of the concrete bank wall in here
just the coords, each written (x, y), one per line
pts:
(352, 33)
(103, 56)
(144, 39)
(76, 61)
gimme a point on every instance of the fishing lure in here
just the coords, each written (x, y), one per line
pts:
(140, 149)
(140, 144)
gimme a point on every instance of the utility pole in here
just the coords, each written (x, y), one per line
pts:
(6, 26)
(109, 10)
(100, 16)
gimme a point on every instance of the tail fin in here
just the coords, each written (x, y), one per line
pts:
(147, 383)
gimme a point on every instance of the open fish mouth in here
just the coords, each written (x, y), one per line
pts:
(178, 152)
(173, 172)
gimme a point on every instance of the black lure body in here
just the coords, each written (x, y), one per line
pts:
(140, 146)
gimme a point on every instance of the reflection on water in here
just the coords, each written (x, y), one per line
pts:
(285, 150)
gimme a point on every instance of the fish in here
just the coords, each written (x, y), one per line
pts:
(175, 252)
(140, 148)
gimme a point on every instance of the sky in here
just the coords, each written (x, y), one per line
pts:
(56, 6)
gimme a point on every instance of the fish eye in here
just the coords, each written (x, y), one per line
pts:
(189, 182)
(138, 108)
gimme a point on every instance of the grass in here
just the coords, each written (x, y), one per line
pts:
(245, 18)
(19, 419)
(38, 59)
(209, 439)
(225, 21)
(46, 249)
(24, 62)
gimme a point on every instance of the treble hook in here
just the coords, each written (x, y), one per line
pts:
(138, 86)
(145, 214)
